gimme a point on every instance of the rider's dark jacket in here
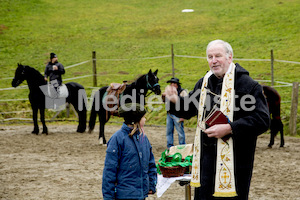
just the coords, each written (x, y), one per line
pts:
(54, 74)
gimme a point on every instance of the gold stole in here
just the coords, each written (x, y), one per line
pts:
(224, 180)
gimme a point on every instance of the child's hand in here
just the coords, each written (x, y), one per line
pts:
(150, 192)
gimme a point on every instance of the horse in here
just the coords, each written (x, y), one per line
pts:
(37, 98)
(273, 99)
(138, 88)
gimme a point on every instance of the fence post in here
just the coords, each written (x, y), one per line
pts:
(294, 109)
(172, 54)
(272, 67)
(94, 69)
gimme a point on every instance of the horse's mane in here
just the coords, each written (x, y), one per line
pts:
(33, 70)
(34, 76)
(139, 79)
(134, 84)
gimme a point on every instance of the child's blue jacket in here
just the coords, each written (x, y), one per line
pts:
(129, 169)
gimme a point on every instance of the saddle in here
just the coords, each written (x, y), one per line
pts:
(55, 92)
(113, 92)
(55, 97)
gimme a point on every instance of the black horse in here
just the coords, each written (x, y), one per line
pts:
(273, 99)
(137, 89)
(37, 98)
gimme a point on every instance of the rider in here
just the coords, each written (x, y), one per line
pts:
(54, 69)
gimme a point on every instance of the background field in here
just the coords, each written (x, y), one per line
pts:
(124, 33)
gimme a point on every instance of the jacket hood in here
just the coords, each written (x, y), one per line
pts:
(240, 70)
(126, 128)
(243, 80)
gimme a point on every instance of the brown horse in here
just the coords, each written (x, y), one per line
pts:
(273, 99)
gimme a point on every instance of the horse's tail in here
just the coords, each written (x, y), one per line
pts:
(93, 115)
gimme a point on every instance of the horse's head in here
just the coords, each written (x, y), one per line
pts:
(152, 82)
(19, 75)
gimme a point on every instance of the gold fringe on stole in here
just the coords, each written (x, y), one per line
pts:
(225, 194)
(193, 184)
(196, 167)
(225, 180)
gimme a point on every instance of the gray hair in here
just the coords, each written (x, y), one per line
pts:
(226, 45)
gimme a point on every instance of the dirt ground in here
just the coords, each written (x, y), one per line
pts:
(68, 165)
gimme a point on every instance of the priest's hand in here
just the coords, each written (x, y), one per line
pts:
(219, 130)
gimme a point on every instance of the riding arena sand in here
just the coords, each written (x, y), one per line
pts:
(68, 165)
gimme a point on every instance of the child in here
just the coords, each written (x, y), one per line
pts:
(129, 170)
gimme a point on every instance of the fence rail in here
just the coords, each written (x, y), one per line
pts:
(94, 75)
(166, 56)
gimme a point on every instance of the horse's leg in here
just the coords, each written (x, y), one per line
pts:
(281, 134)
(92, 121)
(273, 132)
(42, 116)
(101, 133)
(95, 111)
(35, 121)
(102, 119)
(281, 139)
(272, 136)
(82, 121)
(81, 117)
(81, 111)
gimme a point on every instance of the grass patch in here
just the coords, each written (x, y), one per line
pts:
(31, 29)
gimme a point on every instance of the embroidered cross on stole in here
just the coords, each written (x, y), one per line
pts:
(224, 179)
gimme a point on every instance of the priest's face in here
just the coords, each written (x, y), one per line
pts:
(218, 60)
